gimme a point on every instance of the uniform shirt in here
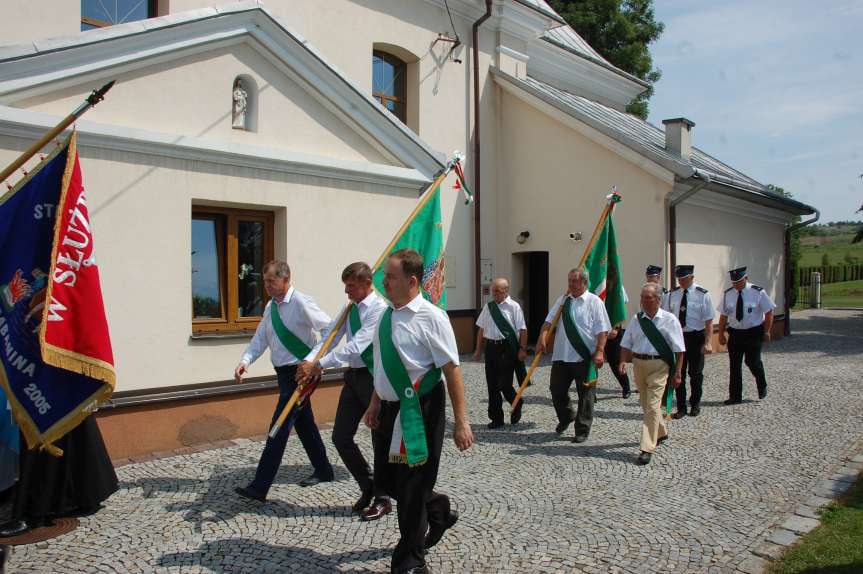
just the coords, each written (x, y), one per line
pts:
(510, 310)
(423, 337)
(756, 302)
(636, 341)
(370, 309)
(590, 318)
(300, 314)
(699, 307)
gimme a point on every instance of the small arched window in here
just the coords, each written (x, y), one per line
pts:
(389, 83)
(99, 14)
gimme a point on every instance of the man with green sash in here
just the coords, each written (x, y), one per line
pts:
(366, 308)
(413, 344)
(288, 329)
(653, 342)
(578, 352)
(504, 332)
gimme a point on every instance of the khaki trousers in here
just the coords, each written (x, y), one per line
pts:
(650, 379)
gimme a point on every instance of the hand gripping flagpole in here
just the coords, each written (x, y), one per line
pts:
(94, 98)
(612, 200)
(424, 199)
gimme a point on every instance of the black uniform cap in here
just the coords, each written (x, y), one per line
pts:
(653, 270)
(737, 274)
(682, 271)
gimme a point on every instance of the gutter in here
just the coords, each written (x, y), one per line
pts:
(672, 220)
(477, 223)
(787, 247)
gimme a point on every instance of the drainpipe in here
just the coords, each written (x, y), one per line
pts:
(477, 225)
(786, 330)
(672, 219)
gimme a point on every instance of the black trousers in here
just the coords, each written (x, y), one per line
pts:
(413, 487)
(612, 355)
(353, 402)
(562, 376)
(693, 365)
(744, 345)
(500, 363)
(274, 449)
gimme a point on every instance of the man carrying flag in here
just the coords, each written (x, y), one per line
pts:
(578, 352)
(414, 343)
(288, 328)
(366, 308)
(504, 332)
(654, 344)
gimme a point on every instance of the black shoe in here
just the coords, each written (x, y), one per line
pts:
(377, 510)
(494, 425)
(14, 528)
(678, 415)
(661, 439)
(579, 438)
(362, 502)
(315, 479)
(626, 394)
(247, 492)
(516, 413)
(436, 531)
(695, 411)
(732, 402)
(643, 458)
(562, 426)
(762, 393)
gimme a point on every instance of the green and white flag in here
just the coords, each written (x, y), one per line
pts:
(425, 236)
(603, 267)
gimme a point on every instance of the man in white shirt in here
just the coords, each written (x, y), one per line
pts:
(413, 344)
(580, 341)
(692, 306)
(288, 329)
(653, 342)
(504, 332)
(746, 311)
(365, 309)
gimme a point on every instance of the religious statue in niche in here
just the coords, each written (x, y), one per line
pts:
(238, 111)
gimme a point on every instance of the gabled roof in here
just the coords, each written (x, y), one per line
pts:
(44, 66)
(649, 141)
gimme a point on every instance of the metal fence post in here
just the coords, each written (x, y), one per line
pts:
(815, 291)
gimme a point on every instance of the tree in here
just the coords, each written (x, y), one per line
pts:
(621, 31)
(825, 260)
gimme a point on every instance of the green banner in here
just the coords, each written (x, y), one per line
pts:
(603, 266)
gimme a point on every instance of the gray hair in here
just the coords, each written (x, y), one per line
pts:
(280, 268)
(654, 288)
(580, 273)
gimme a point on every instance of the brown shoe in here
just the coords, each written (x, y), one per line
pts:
(377, 510)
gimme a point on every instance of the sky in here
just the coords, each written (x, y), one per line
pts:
(775, 88)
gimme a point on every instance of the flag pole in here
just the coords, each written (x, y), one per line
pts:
(424, 199)
(550, 333)
(94, 98)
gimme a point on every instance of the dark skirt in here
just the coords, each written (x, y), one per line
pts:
(72, 485)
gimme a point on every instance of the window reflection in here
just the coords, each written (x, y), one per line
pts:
(206, 295)
(250, 261)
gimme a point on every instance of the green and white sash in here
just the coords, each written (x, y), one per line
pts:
(408, 444)
(290, 341)
(661, 345)
(368, 355)
(576, 341)
(508, 332)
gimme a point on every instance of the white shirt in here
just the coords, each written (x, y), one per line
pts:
(699, 307)
(590, 318)
(510, 310)
(370, 309)
(756, 302)
(423, 338)
(300, 314)
(636, 341)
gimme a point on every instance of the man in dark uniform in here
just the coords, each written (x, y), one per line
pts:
(746, 311)
(691, 304)
(414, 342)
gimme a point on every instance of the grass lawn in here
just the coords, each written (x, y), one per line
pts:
(813, 249)
(834, 547)
(845, 294)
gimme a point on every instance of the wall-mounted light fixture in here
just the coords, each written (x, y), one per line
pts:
(522, 237)
(575, 236)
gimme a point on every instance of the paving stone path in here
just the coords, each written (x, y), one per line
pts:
(530, 501)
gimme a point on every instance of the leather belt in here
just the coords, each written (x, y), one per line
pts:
(646, 357)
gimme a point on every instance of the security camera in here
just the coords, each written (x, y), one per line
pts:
(575, 236)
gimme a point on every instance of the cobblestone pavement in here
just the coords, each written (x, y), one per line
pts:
(530, 501)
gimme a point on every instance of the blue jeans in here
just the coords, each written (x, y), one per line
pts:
(304, 421)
